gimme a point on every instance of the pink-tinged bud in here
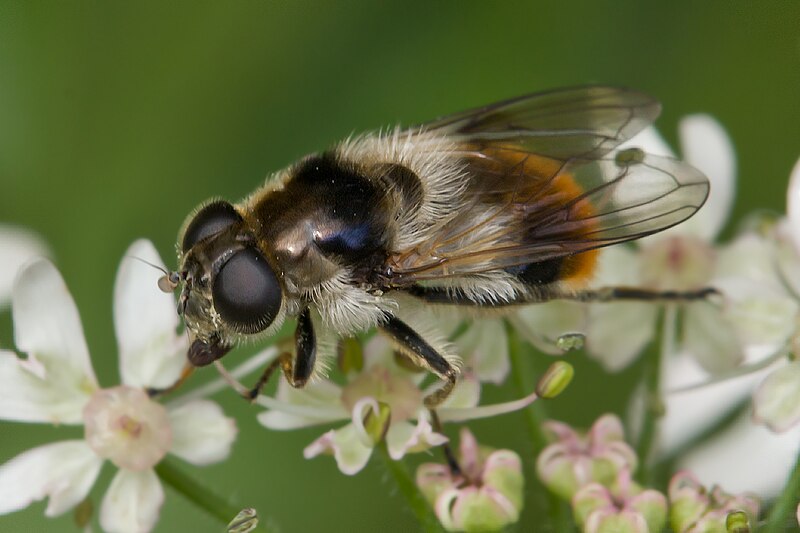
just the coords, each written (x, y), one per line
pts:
(575, 460)
(695, 509)
(737, 522)
(555, 380)
(633, 510)
(486, 495)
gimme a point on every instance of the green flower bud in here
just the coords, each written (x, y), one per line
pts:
(555, 380)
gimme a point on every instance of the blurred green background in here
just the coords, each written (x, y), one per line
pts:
(117, 118)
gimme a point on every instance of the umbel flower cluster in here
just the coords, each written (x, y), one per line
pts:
(671, 466)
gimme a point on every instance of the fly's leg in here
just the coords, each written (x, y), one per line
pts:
(611, 294)
(297, 367)
(424, 356)
(441, 295)
(187, 371)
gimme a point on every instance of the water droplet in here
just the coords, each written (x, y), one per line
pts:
(570, 341)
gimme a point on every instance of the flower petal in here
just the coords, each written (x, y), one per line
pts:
(776, 403)
(46, 322)
(485, 350)
(745, 458)
(151, 353)
(63, 471)
(350, 453)
(466, 394)
(56, 379)
(793, 205)
(25, 397)
(710, 338)
(132, 502)
(316, 397)
(542, 324)
(682, 419)
(763, 316)
(619, 331)
(201, 433)
(705, 144)
(18, 246)
(403, 438)
(650, 141)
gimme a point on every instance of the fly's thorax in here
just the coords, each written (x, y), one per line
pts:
(330, 217)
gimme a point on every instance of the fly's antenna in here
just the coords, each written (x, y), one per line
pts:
(168, 282)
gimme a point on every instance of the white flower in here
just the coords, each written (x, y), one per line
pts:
(746, 456)
(17, 247)
(777, 400)
(383, 402)
(682, 258)
(381, 381)
(56, 384)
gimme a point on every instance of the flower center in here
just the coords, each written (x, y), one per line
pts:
(399, 392)
(680, 263)
(124, 425)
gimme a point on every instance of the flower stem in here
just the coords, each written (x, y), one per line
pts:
(535, 415)
(203, 497)
(414, 498)
(778, 519)
(653, 402)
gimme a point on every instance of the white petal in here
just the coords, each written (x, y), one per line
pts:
(786, 251)
(26, 397)
(47, 327)
(710, 338)
(350, 453)
(618, 265)
(749, 255)
(619, 331)
(650, 141)
(466, 394)
(543, 324)
(682, 420)
(762, 315)
(63, 471)
(151, 352)
(132, 502)
(17, 247)
(705, 145)
(485, 350)
(201, 433)
(403, 438)
(316, 400)
(777, 400)
(746, 458)
(793, 205)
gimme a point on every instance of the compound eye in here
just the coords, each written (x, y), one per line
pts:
(211, 219)
(246, 292)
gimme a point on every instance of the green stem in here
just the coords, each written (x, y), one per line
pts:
(653, 408)
(203, 497)
(535, 415)
(784, 507)
(408, 488)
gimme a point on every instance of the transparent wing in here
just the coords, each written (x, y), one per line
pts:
(547, 180)
(579, 122)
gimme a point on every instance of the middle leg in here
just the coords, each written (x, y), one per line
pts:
(425, 356)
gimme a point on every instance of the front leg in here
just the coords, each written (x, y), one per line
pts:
(297, 367)
(425, 356)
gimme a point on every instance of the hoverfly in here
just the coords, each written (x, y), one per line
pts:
(503, 205)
